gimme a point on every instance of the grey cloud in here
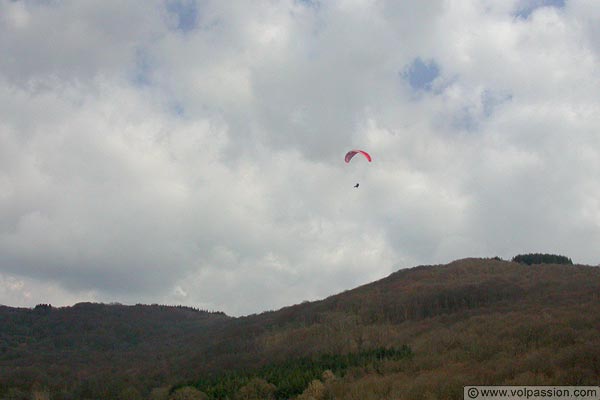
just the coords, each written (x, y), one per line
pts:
(71, 40)
(491, 100)
(184, 152)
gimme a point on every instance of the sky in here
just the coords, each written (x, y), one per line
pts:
(192, 152)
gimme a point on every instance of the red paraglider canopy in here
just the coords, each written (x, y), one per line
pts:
(352, 153)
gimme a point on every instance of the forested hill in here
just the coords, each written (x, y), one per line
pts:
(89, 343)
(473, 321)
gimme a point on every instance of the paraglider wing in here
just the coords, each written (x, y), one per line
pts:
(352, 153)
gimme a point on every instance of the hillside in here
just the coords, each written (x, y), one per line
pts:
(88, 344)
(473, 321)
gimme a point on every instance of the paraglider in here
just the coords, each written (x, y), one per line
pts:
(352, 153)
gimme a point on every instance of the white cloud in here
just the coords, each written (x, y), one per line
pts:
(193, 152)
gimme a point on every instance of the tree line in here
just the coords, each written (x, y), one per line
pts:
(538, 258)
(290, 378)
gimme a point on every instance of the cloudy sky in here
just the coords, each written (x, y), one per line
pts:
(191, 152)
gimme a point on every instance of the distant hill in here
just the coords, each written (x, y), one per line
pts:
(473, 321)
(88, 344)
